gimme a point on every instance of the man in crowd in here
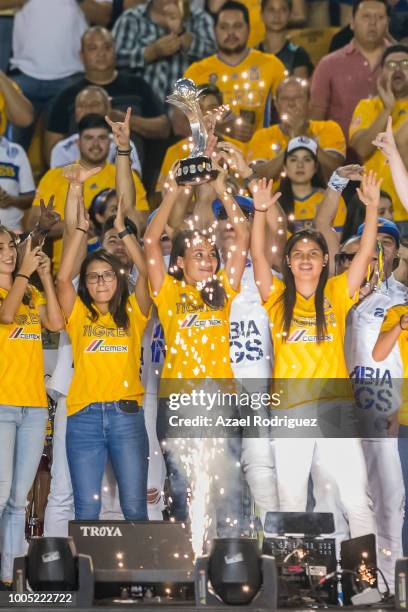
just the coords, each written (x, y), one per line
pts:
(16, 183)
(45, 59)
(92, 99)
(93, 145)
(292, 104)
(246, 78)
(159, 39)
(343, 78)
(276, 16)
(98, 55)
(371, 115)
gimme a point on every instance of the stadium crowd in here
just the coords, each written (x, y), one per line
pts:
(290, 262)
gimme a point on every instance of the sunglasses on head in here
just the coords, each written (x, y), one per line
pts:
(222, 215)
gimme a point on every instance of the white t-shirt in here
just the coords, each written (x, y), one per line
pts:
(250, 338)
(16, 178)
(66, 152)
(47, 39)
(379, 388)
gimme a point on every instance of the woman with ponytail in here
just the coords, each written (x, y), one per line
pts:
(307, 312)
(193, 300)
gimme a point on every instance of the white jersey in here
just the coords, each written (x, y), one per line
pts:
(16, 179)
(250, 338)
(362, 329)
(153, 350)
(67, 152)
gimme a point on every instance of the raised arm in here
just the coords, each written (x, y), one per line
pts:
(387, 339)
(369, 194)
(327, 209)
(136, 253)
(156, 268)
(50, 313)
(125, 186)
(385, 141)
(11, 303)
(237, 255)
(263, 200)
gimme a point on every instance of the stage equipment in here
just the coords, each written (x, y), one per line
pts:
(53, 566)
(359, 565)
(235, 573)
(401, 583)
(156, 555)
(304, 557)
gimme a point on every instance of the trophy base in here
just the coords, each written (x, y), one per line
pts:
(195, 170)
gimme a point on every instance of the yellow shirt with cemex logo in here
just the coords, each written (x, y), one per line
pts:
(196, 336)
(392, 318)
(305, 210)
(54, 183)
(364, 115)
(267, 143)
(106, 357)
(299, 355)
(247, 87)
(21, 356)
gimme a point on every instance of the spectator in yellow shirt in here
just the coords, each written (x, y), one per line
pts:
(246, 78)
(370, 117)
(302, 186)
(292, 104)
(14, 106)
(94, 145)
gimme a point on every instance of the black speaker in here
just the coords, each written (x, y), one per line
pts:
(51, 564)
(125, 553)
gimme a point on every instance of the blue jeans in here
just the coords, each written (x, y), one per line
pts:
(41, 93)
(403, 452)
(99, 430)
(22, 436)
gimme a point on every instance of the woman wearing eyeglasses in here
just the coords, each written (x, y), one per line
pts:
(105, 399)
(307, 311)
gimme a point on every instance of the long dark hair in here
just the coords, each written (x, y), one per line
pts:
(118, 303)
(287, 199)
(289, 294)
(212, 294)
(27, 297)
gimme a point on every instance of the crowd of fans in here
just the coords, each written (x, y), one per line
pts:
(310, 157)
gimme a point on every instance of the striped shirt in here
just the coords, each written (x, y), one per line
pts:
(135, 30)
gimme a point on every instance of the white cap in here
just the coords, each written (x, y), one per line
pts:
(302, 142)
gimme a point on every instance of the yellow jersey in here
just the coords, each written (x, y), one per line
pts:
(247, 88)
(267, 143)
(21, 356)
(54, 183)
(106, 357)
(364, 115)
(299, 355)
(305, 210)
(392, 318)
(196, 336)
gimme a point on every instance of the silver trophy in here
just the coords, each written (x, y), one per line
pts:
(196, 168)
